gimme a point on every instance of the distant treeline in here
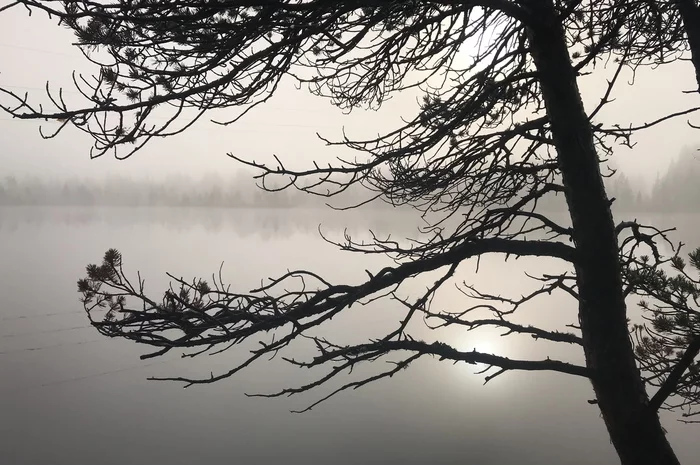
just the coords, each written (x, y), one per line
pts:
(675, 191)
(239, 191)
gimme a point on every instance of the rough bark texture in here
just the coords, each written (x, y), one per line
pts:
(690, 14)
(636, 434)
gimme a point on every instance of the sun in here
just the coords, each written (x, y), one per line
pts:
(486, 345)
(483, 343)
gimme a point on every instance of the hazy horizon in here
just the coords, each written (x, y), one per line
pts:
(674, 190)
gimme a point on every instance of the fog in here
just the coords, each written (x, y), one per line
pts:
(70, 396)
(34, 50)
(674, 190)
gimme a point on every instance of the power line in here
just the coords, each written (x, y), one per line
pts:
(93, 375)
(50, 52)
(40, 89)
(52, 346)
(104, 373)
(40, 315)
(75, 92)
(273, 108)
(309, 126)
(3, 336)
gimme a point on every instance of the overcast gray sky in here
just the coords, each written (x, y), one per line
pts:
(34, 50)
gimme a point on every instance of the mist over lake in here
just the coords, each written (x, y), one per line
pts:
(71, 396)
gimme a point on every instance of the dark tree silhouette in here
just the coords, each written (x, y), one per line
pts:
(667, 28)
(668, 346)
(501, 129)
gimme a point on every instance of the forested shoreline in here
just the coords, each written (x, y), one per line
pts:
(238, 191)
(677, 190)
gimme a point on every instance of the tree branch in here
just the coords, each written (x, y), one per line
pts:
(674, 376)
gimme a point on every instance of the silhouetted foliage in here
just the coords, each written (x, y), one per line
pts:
(668, 345)
(501, 129)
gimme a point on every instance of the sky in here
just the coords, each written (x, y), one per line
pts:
(34, 50)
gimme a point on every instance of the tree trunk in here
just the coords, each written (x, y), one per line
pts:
(636, 435)
(690, 15)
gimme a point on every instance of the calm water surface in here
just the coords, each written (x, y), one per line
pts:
(70, 396)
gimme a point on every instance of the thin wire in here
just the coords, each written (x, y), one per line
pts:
(39, 315)
(103, 373)
(309, 126)
(41, 89)
(47, 331)
(50, 52)
(82, 378)
(52, 346)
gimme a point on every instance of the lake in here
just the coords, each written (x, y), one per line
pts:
(71, 396)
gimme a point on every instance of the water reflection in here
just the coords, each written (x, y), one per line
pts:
(80, 398)
(270, 222)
